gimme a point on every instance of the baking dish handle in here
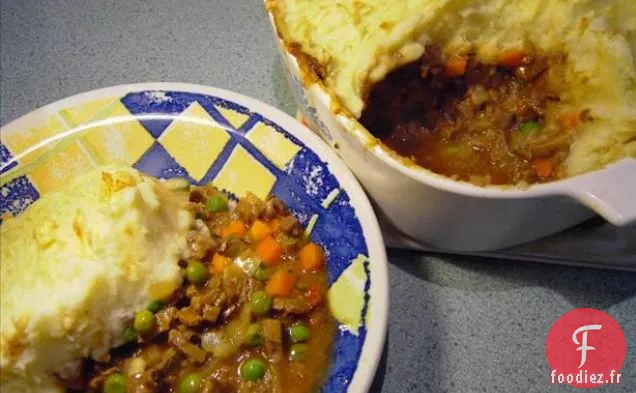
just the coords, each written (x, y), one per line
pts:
(610, 193)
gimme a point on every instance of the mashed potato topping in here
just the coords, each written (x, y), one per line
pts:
(355, 43)
(77, 265)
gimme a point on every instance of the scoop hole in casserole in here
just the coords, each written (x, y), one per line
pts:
(499, 122)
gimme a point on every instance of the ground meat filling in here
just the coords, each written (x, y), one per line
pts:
(501, 123)
(255, 319)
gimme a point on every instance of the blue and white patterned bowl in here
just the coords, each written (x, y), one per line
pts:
(205, 134)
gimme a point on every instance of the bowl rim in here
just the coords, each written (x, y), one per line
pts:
(376, 332)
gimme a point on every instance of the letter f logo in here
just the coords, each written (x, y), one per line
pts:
(584, 347)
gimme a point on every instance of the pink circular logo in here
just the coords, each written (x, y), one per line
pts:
(585, 348)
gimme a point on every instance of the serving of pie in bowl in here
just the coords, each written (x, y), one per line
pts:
(178, 238)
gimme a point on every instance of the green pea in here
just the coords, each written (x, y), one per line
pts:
(299, 333)
(154, 306)
(252, 369)
(190, 383)
(261, 303)
(216, 203)
(144, 322)
(298, 352)
(130, 335)
(529, 127)
(261, 274)
(452, 149)
(196, 272)
(254, 335)
(115, 383)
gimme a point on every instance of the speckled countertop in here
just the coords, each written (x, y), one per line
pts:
(456, 324)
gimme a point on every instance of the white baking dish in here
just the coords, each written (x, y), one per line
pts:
(457, 215)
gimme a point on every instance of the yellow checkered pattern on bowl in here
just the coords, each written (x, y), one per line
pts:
(67, 143)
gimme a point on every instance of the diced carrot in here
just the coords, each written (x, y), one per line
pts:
(311, 256)
(313, 294)
(259, 230)
(234, 228)
(543, 166)
(269, 250)
(281, 284)
(456, 66)
(219, 262)
(569, 120)
(512, 58)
